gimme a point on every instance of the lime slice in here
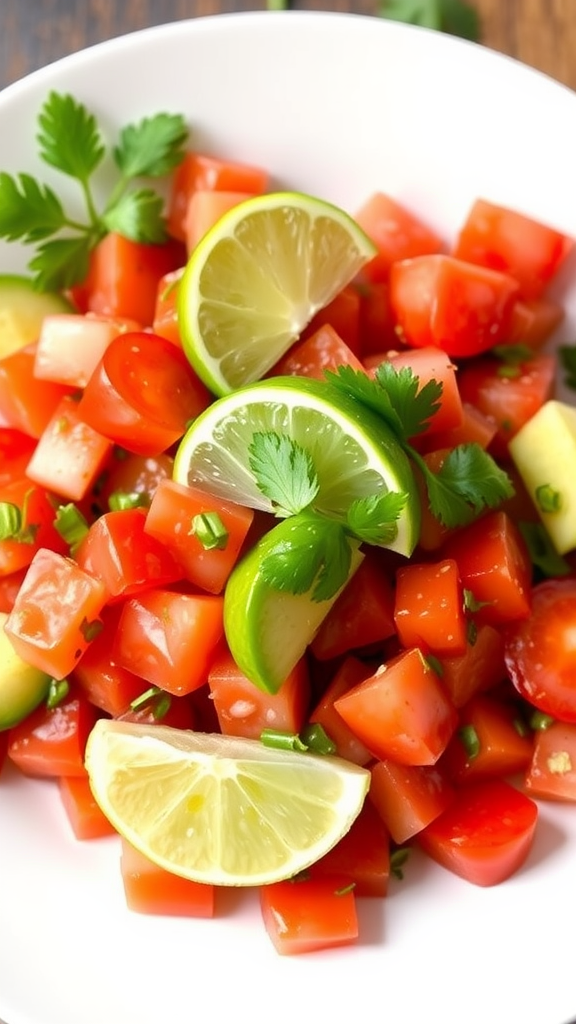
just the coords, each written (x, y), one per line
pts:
(218, 809)
(354, 454)
(258, 277)
(268, 630)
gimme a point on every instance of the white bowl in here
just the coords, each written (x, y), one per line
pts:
(340, 106)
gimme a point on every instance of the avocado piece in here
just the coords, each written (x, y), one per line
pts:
(22, 687)
(544, 453)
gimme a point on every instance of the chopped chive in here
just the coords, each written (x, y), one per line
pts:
(71, 524)
(520, 726)
(548, 499)
(210, 530)
(90, 630)
(58, 690)
(435, 664)
(345, 889)
(471, 603)
(315, 737)
(510, 372)
(10, 520)
(120, 501)
(540, 721)
(471, 632)
(398, 859)
(282, 740)
(145, 698)
(469, 738)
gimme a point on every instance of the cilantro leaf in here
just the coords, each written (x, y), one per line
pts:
(28, 210)
(414, 405)
(363, 389)
(284, 471)
(315, 556)
(452, 16)
(151, 148)
(138, 215)
(374, 519)
(69, 138)
(61, 263)
(468, 482)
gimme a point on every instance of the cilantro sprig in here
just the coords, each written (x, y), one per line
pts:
(452, 16)
(70, 141)
(469, 479)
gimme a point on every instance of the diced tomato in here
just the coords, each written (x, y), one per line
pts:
(123, 277)
(494, 565)
(51, 741)
(487, 743)
(408, 797)
(169, 638)
(362, 615)
(433, 533)
(401, 711)
(9, 587)
(349, 673)
(86, 818)
(450, 304)
(70, 345)
(171, 520)
(118, 550)
(475, 428)
(200, 171)
(397, 233)
(56, 614)
(342, 314)
(26, 403)
(127, 473)
(150, 889)
(318, 352)
(431, 363)
(534, 321)
(429, 607)
(143, 393)
(245, 710)
(303, 916)
(376, 321)
(486, 833)
(37, 529)
(205, 208)
(479, 668)
(165, 320)
(540, 653)
(510, 241)
(15, 451)
(362, 856)
(551, 774)
(509, 395)
(70, 453)
(106, 684)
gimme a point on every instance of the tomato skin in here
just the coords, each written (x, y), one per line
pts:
(551, 774)
(245, 710)
(362, 856)
(507, 240)
(539, 651)
(397, 233)
(143, 393)
(51, 741)
(486, 833)
(401, 711)
(452, 305)
(149, 889)
(303, 916)
(429, 607)
(55, 613)
(408, 797)
(26, 403)
(362, 615)
(310, 357)
(87, 820)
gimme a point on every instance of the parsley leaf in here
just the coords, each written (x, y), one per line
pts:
(452, 16)
(468, 482)
(315, 556)
(153, 147)
(374, 519)
(284, 471)
(70, 141)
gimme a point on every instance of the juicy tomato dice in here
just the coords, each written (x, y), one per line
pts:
(397, 233)
(303, 916)
(539, 652)
(487, 743)
(408, 797)
(429, 607)
(70, 345)
(201, 171)
(509, 241)
(37, 528)
(143, 393)
(51, 741)
(70, 453)
(350, 672)
(26, 402)
(362, 856)
(450, 304)
(486, 833)
(87, 820)
(245, 710)
(551, 774)
(323, 350)
(362, 615)
(150, 889)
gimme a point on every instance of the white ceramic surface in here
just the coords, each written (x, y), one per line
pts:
(337, 105)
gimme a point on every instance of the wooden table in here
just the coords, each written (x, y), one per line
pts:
(541, 33)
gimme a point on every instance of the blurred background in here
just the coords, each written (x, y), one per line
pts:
(541, 33)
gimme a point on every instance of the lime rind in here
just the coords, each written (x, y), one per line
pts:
(258, 277)
(354, 453)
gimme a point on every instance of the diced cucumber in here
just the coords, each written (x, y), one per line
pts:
(544, 452)
(22, 687)
(22, 310)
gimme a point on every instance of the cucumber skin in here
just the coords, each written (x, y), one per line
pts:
(22, 687)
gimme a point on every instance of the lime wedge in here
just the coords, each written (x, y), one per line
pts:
(220, 809)
(355, 455)
(258, 277)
